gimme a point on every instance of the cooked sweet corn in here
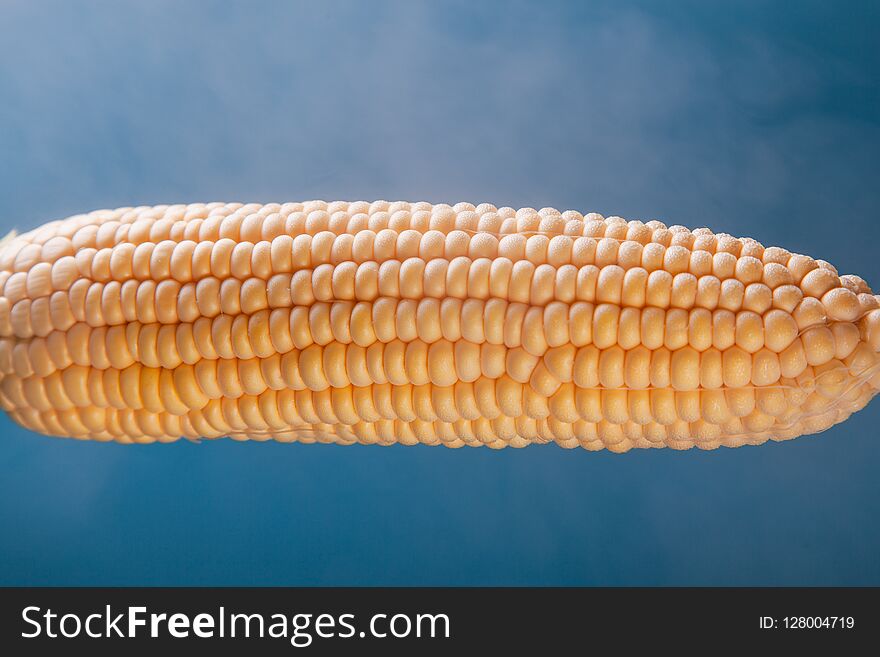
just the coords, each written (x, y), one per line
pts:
(418, 323)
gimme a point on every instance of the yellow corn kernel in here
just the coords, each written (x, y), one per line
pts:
(416, 323)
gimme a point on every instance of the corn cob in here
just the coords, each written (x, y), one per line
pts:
(417, 323)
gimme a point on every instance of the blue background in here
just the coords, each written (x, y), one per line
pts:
(759, 119)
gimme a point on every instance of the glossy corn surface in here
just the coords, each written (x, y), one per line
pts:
(416, 323)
